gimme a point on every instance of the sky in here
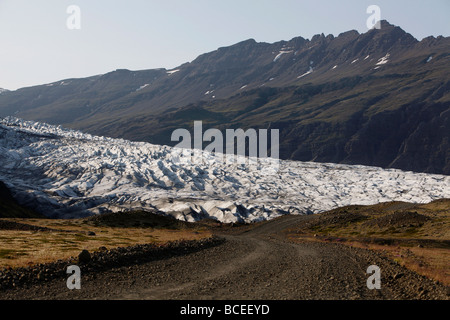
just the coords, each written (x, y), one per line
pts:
(43, 42)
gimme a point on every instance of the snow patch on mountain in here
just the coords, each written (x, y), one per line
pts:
(66, 173)
(383, 60)
(142, 87)
(281, 53)
(306, 73)
(170, 72)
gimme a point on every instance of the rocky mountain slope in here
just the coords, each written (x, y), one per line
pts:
(379, 98)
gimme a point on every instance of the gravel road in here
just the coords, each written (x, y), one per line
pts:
(256, 264)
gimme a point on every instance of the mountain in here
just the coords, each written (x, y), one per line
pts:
(67, 174)
(380, 98)
(9, 208)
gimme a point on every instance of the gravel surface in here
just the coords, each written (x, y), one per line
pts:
(258, 263)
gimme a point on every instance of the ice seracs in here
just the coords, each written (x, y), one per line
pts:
(66, 173)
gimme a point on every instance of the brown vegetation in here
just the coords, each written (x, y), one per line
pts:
(25, 242)
(415, 235)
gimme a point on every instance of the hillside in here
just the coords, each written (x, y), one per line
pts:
(9, 208)
(380, 98)
(414, 235)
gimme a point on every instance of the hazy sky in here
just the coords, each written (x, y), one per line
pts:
(37, 47)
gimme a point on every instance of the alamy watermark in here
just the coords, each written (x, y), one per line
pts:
(73, 22)
(74, 281)
(250, 147)
(374, 281)
(374, 21)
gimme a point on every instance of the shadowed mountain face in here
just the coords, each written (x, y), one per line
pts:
(380, 98)
(9, 208)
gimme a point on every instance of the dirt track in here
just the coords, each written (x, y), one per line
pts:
(256, 264)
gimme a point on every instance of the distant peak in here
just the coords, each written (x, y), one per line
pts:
(386, 24)
(352, 33)
(251, 40)
(317, 37)
(245, 42)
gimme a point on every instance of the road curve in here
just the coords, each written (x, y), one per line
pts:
(259, 263)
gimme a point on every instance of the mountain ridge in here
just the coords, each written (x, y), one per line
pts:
(374, 98)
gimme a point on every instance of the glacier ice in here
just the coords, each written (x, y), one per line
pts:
(66, 173)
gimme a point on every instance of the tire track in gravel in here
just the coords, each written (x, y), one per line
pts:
(262, 264)
(255, 250)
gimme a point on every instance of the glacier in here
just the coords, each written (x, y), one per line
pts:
(65, 173)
